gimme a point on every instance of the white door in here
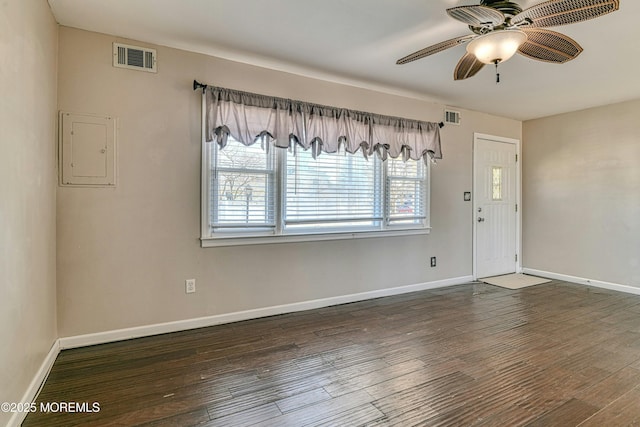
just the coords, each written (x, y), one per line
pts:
(495, 206)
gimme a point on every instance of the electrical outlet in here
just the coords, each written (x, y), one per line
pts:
(190, 286)
(433, 261)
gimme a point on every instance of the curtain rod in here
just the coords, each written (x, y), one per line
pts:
(197, 85)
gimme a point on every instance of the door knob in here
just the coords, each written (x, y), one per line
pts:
(480, 219)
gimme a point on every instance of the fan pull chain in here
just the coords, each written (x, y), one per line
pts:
(497, 73)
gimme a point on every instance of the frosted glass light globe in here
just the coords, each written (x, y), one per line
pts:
(497, 46)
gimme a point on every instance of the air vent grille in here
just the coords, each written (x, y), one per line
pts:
(451, 117)
(134, 57)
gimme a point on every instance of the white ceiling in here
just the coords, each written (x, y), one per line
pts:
(358, 41)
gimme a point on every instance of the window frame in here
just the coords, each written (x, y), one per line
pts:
(277, 234)
(271, 181)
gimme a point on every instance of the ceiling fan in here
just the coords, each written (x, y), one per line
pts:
(502, 28)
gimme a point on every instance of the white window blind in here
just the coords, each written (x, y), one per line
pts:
(406, 194)
(332, 191)
(243, 187)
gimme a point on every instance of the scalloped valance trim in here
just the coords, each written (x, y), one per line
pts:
(287, 123)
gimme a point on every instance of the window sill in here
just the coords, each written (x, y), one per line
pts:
(295, 238)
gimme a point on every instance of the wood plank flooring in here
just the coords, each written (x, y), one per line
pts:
(553, 354)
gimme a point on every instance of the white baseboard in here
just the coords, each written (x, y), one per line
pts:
(181, 325)
(582, 281)
(36, 383)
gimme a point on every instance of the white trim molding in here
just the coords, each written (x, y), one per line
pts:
(583, 281)
(36, 383)
(181, 325)
(310, 237)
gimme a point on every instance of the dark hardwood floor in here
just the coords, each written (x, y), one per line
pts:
(556, 354)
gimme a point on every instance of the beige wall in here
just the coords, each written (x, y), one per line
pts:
(28, 42)
(581, 192)
(124, 253)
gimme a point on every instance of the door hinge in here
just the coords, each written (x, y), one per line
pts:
(516, 158)
(516, 207)
(516, 257)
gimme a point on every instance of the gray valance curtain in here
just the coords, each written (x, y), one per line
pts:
(249, 117)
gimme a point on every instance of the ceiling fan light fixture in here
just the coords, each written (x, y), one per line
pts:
(496, 46)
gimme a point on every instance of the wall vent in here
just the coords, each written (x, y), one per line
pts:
(134, 57)
(452, 117)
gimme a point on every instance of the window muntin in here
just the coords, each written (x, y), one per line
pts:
(253, 192)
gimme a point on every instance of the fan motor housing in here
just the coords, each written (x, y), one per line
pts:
(509, 8)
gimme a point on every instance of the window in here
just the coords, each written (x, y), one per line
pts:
(263, 191)
(496, 183)
(252, 192)
(406, 192)
(331, 192)
(243, 188)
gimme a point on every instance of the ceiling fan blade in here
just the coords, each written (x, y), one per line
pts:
(561, 12)
(549, 46)
(435, 48)
(477, 16)
(468, 66)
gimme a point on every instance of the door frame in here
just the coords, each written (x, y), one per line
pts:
(516, 142)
